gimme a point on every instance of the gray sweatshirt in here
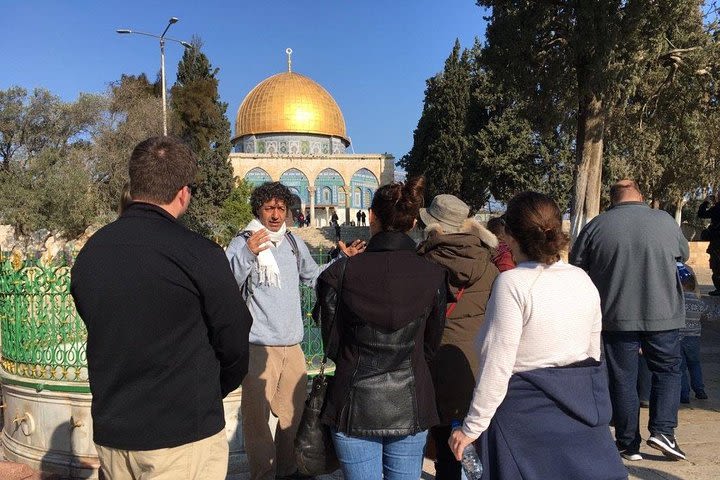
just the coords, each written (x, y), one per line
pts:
(629, 253)
(277, 317)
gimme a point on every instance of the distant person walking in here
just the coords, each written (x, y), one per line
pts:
(388, 306)
(167, 328)
(710, 209)
(363, 217)
(358, 215)
(464, 248)
(630, 252)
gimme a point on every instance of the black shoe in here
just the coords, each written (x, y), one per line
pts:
(667, 445)
(714, 293)
(685, 399)
(701, 395)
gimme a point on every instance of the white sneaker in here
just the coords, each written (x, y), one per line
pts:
(632, 456)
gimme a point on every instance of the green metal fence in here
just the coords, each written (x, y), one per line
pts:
(44, 339)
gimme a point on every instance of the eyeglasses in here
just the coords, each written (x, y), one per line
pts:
(192, 187)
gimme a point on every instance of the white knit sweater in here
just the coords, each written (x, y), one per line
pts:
(538, 316)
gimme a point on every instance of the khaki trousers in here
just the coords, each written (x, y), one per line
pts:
(276, 383)
(206, 459)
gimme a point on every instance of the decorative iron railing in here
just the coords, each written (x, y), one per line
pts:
(44, 339)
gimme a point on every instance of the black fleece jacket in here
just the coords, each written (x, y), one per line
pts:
(167, 331)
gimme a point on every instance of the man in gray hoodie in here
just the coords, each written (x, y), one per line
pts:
(630, 253)
(269, 263)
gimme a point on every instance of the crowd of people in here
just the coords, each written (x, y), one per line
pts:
(472, 325)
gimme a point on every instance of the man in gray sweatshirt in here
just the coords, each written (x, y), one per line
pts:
(269, 263)
(630, 253)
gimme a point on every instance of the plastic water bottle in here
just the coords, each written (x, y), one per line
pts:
(472, 467)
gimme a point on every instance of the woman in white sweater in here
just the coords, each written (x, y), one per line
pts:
(538, 420)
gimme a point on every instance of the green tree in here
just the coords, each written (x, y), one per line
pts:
(440, 141)
(579, 60)
(55, 192)
(661, 135)
(476, 139)
(235, 213)
(46, 179)
(133, 114)
(32, 122)
(203, 124)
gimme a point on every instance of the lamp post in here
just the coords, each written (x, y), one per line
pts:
(162, 60)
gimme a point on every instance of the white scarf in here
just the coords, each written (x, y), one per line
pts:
(267, 265)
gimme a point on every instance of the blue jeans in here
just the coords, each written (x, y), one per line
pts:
(691, 363)
(389, 458)
(662, 352)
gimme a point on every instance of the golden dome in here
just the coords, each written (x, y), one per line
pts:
(289, 103)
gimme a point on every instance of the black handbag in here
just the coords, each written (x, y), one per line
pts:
(314, 448)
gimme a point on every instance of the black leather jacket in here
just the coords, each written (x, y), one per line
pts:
(388, 326)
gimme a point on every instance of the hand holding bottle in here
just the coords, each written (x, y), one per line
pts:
(464, 451)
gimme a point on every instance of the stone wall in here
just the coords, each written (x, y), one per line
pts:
(42, 243)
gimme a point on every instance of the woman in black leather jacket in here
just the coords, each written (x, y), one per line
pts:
(388, 309)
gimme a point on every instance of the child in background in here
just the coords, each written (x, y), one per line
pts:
(695, 311)
(502, 257)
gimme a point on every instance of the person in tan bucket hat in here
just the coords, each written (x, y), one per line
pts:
(464, 247)
(448, 211)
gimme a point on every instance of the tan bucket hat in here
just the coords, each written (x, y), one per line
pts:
(447, 210)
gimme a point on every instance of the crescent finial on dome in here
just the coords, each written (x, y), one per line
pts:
(289, 55)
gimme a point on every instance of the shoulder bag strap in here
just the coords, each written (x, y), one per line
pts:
(294, 248)
(451, 307)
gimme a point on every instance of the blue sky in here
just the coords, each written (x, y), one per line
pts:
(372, 56)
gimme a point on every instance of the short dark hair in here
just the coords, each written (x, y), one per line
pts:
(266, 192)
(396, 205)
(159, 167)
(535, 221)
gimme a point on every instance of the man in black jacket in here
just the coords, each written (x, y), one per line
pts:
(167, 328)
(710, 209)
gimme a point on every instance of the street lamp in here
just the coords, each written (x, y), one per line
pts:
(162, 60)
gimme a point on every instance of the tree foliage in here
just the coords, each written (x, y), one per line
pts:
(585, 62)
(235, 213)
(46, 179)
(475, 139)
(202, 123)
(441, 143)
(134, 113)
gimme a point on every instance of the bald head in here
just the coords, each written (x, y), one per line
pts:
(625, 191)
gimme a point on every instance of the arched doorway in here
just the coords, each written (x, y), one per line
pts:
(298, 184)
(257, 176)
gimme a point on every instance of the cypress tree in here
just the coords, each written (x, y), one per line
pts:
(202, 123)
